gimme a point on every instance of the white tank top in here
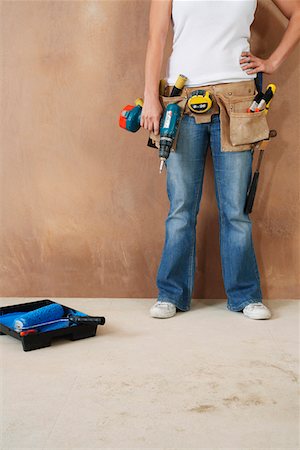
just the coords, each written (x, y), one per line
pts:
(209, 37)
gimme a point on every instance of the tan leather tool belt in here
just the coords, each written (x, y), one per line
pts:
(239, 129)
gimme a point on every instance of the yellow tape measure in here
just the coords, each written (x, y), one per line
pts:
(199, 101)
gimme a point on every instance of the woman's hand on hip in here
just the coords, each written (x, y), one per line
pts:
(151, 114)
(253, 64)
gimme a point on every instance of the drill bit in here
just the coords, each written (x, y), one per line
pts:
(162, 160)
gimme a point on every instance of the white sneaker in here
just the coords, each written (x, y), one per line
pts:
(257, 310)
(163, 310)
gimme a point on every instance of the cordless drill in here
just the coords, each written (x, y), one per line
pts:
(130, 120)
(131, 115)
(169, 123)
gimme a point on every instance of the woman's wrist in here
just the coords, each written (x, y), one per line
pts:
(151, 94)
(275, 63)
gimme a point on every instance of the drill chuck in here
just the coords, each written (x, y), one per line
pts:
(165, 146)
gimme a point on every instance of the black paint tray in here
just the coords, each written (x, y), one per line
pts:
(44, 339)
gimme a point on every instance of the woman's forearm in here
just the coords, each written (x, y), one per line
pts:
(290, 38)
(159, 20)
(153, 64)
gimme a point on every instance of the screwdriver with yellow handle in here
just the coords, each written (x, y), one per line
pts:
(263, 105)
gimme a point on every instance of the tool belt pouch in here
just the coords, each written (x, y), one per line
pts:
(181, 100)
(241, 128)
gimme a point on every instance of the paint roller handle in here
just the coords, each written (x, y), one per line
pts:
(88, 320)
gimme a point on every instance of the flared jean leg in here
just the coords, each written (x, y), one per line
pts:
(232, 175)
(184, 173)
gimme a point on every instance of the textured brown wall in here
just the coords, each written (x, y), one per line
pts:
(83, 206)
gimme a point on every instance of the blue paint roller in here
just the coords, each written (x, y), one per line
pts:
(38, 316)
(51, 317)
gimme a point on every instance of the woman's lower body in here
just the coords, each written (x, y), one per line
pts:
(232, 175)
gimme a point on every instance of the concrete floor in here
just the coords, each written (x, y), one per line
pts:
(208, 378)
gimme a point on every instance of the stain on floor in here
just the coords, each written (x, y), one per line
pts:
(203, 408)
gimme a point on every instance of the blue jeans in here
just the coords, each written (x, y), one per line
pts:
(232, 175)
